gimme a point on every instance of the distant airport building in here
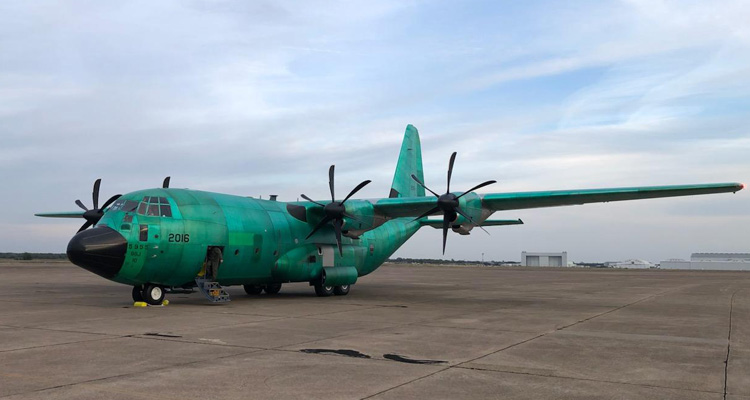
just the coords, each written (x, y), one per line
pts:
(634, 263)
(712, 261)
(532, 259)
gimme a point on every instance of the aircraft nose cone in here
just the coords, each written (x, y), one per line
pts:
(100, 250)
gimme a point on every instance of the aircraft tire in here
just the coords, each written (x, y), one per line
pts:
(153, 294)
(272, 288)
(252, 289)
(137, 293)
(322, 290)
(342, 290)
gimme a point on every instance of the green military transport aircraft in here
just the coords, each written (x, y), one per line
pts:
(174, 240)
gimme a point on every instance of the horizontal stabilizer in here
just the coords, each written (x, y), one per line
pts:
(500, 222)
(438, 223)
(66, 214)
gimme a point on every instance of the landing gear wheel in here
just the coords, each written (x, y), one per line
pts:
(272, 288)
(252, 289)
(342, 290)
(153, 294)
(137, 293)
(322, 290)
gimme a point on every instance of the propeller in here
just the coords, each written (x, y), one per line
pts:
(447, 203)
(93, 215)
(335, 211)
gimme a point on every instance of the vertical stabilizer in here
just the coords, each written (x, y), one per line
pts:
(409, 162)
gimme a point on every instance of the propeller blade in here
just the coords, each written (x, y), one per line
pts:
(95, 193)
(311, 200)
(318, 226)
(428, 213)
(450, 171)
(460, 211)
(165, 184)
(78, 202)
(85, 225)
(337, 223)
(110, 201)
(330, 182)
(481, 185)
(446, 224)
(423, 185)
(356, 189)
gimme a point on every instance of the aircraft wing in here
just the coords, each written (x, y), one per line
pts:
(65, 214)
(516, 201)
(416, 206)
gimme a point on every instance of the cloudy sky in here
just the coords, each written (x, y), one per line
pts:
(254, 98)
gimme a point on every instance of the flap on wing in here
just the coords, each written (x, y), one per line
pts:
(65, 214)
(515, 201)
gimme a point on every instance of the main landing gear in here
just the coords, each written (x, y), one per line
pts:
(154, 294)
(271, 288)
(323, 290)
(150, 293)
(320, 290)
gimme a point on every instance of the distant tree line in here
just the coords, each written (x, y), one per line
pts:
(33, 256)
(401, 260)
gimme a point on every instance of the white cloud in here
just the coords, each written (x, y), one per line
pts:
(255, 98)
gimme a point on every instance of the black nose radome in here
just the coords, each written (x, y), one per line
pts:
(100, 250)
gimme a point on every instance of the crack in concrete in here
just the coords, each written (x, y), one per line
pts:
(729, 343)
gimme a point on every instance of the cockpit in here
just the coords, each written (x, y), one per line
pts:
(152, 206)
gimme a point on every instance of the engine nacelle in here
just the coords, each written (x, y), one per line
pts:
(463, 229)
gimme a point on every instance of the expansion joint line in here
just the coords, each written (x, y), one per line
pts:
(729, 343)
(463, 364)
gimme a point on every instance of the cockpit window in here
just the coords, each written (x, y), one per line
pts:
(155, 207)
(124, 205)
(129, 205)
(117, 205)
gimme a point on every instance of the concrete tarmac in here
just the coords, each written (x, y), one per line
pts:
(403, 332)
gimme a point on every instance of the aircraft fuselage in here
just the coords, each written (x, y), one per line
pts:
(168, 232)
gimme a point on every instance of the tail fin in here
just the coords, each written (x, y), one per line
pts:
(409, 162)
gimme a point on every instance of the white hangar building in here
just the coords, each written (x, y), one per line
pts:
(532, 259)
(712, 261)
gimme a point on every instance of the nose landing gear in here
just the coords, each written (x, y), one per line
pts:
(149, 293)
